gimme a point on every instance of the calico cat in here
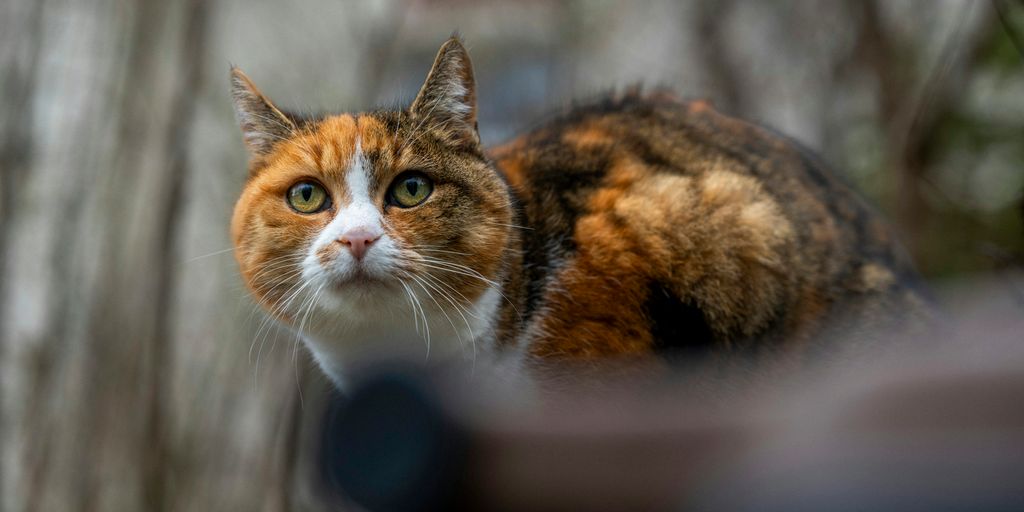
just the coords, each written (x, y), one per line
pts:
(634, 225)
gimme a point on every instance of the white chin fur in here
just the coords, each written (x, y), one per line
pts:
(341, 329)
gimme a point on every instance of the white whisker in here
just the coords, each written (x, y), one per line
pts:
(420, 282)
(214, 253)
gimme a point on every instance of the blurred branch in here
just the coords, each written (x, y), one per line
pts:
(1009, 28)
(715, 56)
(921, 119)
(911, 117)
(1018, 43)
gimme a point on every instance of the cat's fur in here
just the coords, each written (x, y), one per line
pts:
(628, 226)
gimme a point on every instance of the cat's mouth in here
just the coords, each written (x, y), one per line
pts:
(357, 280)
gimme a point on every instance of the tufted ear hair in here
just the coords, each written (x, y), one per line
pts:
(262, 123)
(447, 100)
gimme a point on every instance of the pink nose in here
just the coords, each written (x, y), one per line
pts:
(358, 240)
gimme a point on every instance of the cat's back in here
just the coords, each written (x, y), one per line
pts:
(655, 223)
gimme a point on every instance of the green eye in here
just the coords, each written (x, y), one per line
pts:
(308, 197)
(410, 189)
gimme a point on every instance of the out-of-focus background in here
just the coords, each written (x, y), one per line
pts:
(135, 373)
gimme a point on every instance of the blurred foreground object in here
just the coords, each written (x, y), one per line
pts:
(926, 425)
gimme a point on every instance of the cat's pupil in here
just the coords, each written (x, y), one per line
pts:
(411, 186)
(307, 192)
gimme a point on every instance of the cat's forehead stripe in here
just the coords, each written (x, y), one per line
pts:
(356, 180)
(336, 137)
(357, 171)
(335, 141)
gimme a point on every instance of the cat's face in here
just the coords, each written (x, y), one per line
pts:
(373, 228)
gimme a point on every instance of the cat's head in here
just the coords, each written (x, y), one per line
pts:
(373, 228)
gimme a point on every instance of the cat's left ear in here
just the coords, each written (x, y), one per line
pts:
(447, 100)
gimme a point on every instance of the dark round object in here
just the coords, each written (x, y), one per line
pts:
(390, 447)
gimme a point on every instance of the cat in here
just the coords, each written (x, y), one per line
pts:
(637, 225)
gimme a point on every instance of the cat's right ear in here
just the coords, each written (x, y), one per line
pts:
(447, 100)
(262, 123)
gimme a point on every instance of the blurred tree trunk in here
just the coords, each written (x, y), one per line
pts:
(19, 55)
(98, 171)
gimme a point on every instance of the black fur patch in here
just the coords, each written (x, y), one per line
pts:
(563, 180)
(678, 329)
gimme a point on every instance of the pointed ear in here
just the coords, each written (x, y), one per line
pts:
(261, 122)
(447, 100)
